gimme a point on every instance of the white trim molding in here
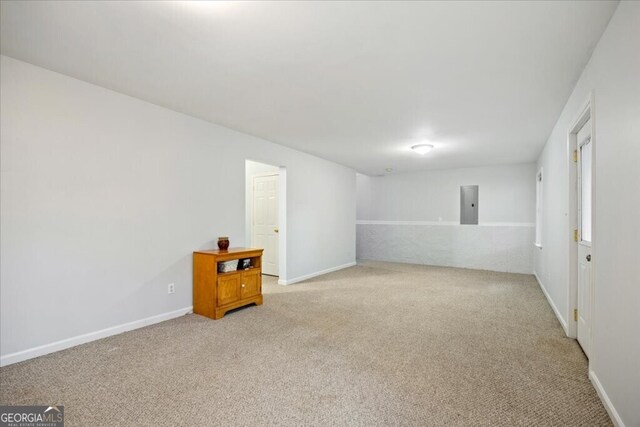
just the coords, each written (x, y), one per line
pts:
(586, 114)
(31, 353)
(444, 223)
(563, 322)
(611, 410)
(317, 273)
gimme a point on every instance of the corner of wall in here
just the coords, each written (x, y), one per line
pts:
(557, 312)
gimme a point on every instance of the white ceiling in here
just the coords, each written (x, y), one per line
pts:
(353, 82)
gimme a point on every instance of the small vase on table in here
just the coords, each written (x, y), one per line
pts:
(223, 243)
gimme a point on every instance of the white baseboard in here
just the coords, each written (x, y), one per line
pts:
(317, 273)
(615, 417)
(563, 322)
(30, 353)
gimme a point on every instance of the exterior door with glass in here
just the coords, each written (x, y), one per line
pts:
(585, 238)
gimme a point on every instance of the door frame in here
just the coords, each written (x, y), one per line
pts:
(253, 187)
(585, 113)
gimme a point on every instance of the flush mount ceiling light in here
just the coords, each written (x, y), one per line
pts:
(422, 149)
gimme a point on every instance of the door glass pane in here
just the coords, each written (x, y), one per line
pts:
(585, 192)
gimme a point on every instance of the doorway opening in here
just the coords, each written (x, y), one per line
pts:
(265, 215)
(581, 146)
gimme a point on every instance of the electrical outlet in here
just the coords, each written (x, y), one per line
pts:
(172, 288)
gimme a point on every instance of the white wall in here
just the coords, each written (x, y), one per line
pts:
(613, 74)
(415, 217)
(104, 197)
(506, 194)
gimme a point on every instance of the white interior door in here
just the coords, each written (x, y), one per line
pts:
(265, 221)
(585, 277)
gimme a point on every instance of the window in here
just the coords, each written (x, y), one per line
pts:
(539, 208)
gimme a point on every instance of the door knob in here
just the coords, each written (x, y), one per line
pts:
(589, 257)
(276, 230)
(243, 285)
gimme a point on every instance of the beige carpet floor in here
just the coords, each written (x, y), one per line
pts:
(376, 344)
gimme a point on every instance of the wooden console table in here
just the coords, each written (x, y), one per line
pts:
(216, 293)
